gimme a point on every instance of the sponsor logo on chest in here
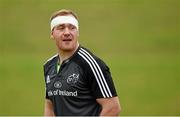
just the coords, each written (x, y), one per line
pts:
(60, 87)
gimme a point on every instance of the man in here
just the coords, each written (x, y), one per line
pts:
(77, 82)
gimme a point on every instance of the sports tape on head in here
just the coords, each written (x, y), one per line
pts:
(63, 20)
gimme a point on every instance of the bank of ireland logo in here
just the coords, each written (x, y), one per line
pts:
(57, 84)
(72, 79)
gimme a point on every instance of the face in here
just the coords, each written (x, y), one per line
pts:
(66, 37)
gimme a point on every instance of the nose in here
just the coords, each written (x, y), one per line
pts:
(66, 32)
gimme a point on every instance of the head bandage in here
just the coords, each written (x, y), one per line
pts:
(63, 20)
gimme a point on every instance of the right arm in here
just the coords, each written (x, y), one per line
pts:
(48, 109)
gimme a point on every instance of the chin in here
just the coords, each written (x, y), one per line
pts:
(67, 49)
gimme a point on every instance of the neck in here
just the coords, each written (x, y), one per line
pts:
(64, 55)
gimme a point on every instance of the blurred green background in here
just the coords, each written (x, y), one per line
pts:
(138, 39)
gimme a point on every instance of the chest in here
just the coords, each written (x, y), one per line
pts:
(69, 81)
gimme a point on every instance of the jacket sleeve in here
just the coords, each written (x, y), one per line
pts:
(45, 79)
(101, 81)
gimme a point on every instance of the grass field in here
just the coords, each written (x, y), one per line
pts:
(138, 39)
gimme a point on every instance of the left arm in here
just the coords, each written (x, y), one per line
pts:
(110, 106)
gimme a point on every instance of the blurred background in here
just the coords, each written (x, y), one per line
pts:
(138, 39)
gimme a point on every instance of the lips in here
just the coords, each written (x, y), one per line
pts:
(67, 39)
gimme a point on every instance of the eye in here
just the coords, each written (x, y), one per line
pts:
(72, 27)
(60, 28)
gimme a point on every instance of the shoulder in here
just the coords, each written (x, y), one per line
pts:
(91, 59)
(50, 60)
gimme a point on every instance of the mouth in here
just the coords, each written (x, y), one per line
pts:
(67, 40)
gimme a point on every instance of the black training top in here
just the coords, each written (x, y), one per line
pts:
(80, 80)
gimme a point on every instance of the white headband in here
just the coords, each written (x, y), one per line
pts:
(64, 19)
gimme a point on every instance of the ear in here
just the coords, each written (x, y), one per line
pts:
(51, 35)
